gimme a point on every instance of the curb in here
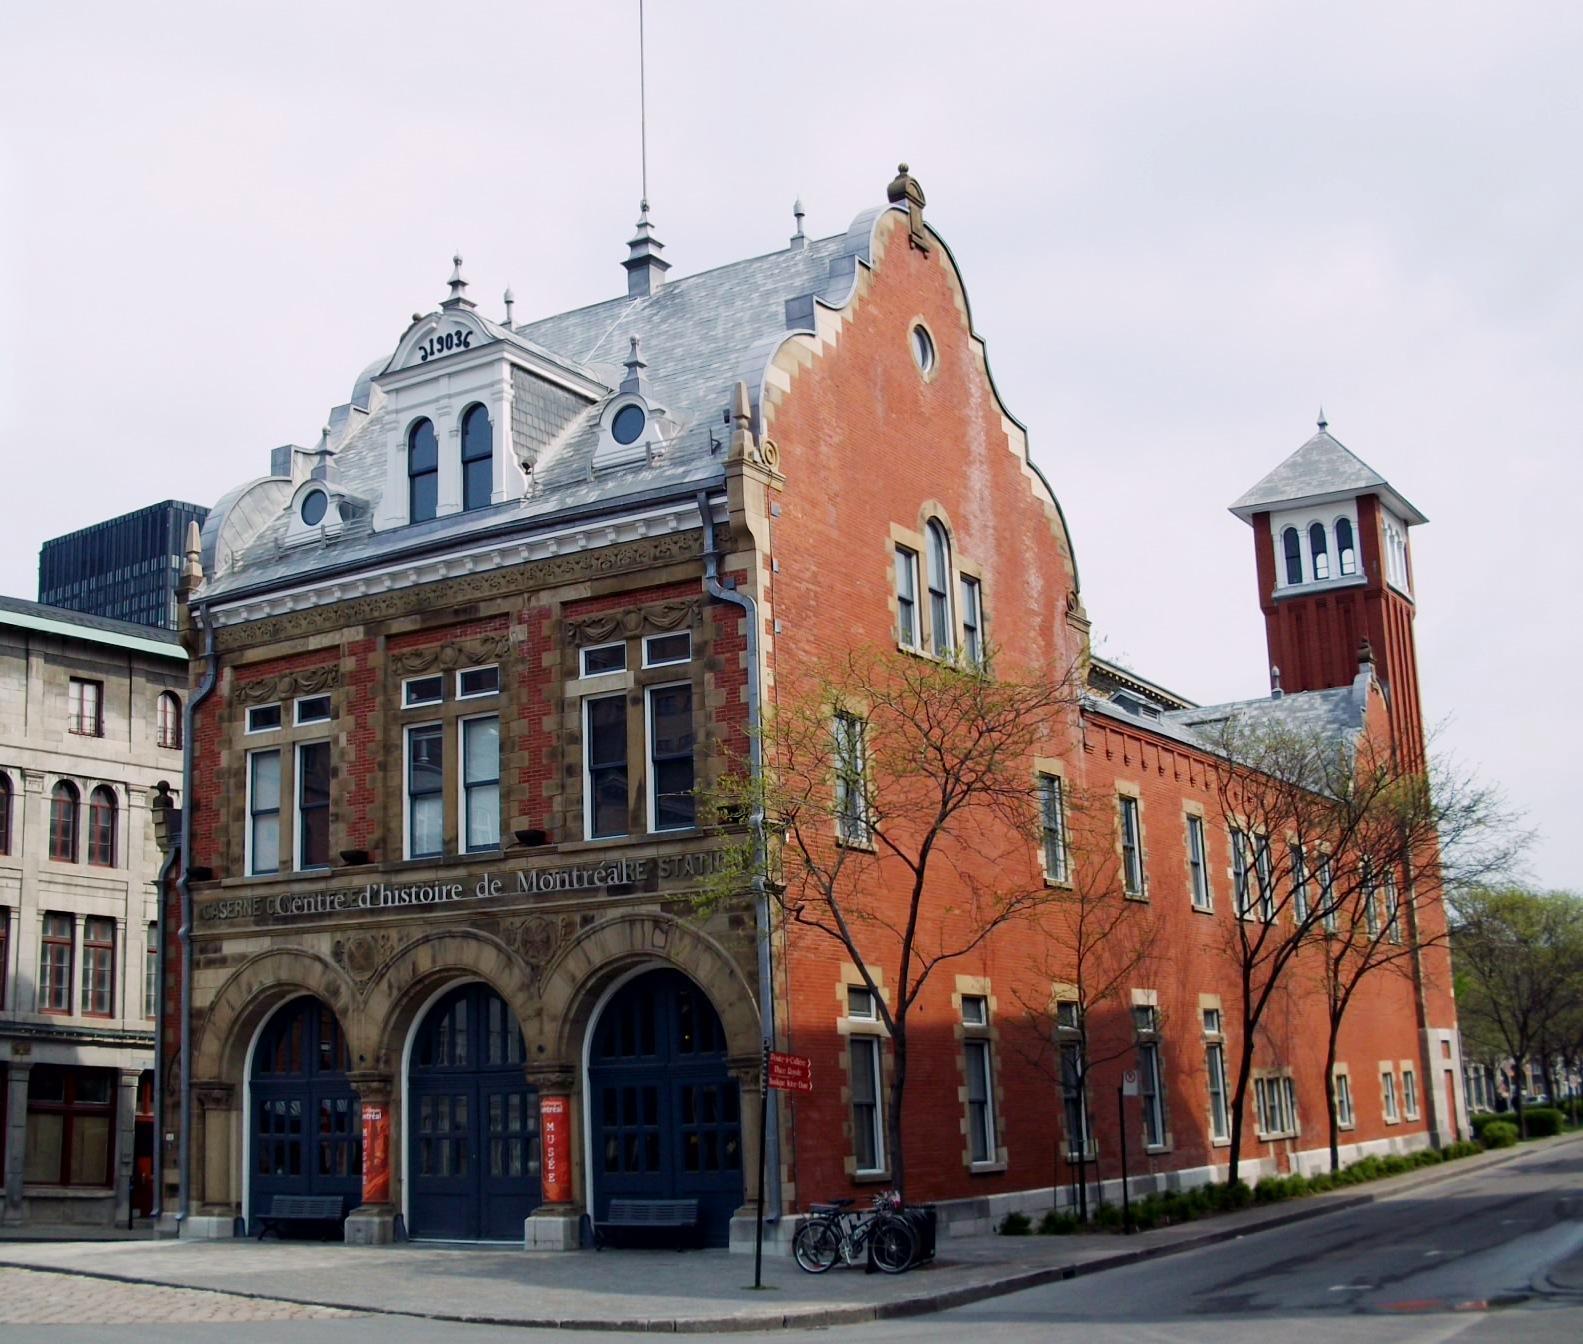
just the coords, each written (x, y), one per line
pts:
(856, 1313)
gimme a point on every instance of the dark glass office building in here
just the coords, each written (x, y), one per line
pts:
(125, 568)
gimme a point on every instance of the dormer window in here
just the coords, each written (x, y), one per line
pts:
(1319, 550)
(314, 505)
(628, 424)
(478, 458)
(1292, 546)
(423, 472)
(1345, 549)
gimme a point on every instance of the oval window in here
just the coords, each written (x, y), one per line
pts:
(922, 349)
(314, 504)
(628, 424)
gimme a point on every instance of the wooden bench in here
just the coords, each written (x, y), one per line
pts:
(328, 1212)
(647, 1215)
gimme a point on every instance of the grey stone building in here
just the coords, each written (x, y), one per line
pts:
(90, 723)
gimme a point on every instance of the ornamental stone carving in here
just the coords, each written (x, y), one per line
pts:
(308, 681)
(613, 625)
(459, 653)
(360, 955)
(537, 940)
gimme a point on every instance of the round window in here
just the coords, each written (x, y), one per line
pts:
(922, 349)
(628, 424)
(314, 503)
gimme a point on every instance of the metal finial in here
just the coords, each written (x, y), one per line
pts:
(797, 213)
(1275, 682)
(1323, 423)
(510, 299)
(457, 282)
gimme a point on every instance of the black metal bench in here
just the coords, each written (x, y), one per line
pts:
(328, 1212)
(650, 1215)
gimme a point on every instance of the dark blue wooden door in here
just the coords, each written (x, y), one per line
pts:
(473, 1122)
(307, 1131)
(665, 1112)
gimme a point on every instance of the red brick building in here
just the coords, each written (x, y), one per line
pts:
(461, 668)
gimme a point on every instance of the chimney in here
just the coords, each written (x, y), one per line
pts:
(645, 266)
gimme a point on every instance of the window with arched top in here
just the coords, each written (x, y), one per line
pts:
(1292, 545)
(478, 458)
(942, 631)
(168, 716)
(101, 827)
(64, 804)
(5, 827)
(1319, 550)
(423, 472)
(1346, 551)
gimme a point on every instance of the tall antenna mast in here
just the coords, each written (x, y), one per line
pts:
(643, 108)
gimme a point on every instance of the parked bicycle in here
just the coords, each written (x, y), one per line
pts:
(836, 1232)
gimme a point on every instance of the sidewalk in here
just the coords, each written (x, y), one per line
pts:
(664, 1290)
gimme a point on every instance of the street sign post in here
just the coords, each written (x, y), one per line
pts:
(1128, 1088)
(782, 1073)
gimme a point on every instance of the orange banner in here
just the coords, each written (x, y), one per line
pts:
(376, 1155)
(555, 1147)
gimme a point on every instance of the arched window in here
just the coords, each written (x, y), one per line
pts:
(942, 630)
(169, 714)
(5, 827)
(101, 827)
(1346, 552)
(1292, 544)
(478, 458)
(1318, 547)
(423, 472)
(64, 801)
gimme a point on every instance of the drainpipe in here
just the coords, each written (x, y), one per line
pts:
(727, 592)
(161, 882)
(205, 689)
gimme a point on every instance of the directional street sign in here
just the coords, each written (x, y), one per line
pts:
(790, 1073)
(1129, 1083)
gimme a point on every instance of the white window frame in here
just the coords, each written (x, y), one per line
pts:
(907, 599)
(1074, 1100)
(297, 719)
(1346, 1116)
(1151, 1092)
(582, 659)
(1132, 879)
(652, 781)
(983, 1048)
(249, 731)
(871, 1044)
(871, 1012)
(462, 786)
(1215, 1073)
(1202, 895)
(1330, 916)
(407, 730)
(477, 695)
(588, 778)
(861, 832)
(1300, 906)
(247, 837)
(971, 596)
(1053, 829)
(298, 830)
(1409, 1093)
(1264, 876)
(978, 1015)
(151, 971)
(1388, 1096)
(649, 640)
(407, 702)
(942, 613)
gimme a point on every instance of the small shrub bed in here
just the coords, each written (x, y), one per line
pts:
(1016, 1225)
(1498, 1134)
(1542, 1122)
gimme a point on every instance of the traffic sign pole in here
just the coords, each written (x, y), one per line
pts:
(1121, 1124)
(764, 1110)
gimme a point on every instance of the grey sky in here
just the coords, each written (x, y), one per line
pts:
(1182, 228)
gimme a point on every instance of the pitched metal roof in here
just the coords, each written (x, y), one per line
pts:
(68, 624)
(1322, 469)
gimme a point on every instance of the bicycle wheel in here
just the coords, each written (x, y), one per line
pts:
(895, 1244)
(817, 1247)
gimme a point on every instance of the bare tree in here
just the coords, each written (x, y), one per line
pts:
(1097, 944)
(901, 789)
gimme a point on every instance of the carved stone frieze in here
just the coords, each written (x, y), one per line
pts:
(574, 567)
(458, 653)
(537, 939)
(360, 955)
(613, 625)
(307, 681)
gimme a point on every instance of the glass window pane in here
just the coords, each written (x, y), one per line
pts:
(481, 751)
(266, 780)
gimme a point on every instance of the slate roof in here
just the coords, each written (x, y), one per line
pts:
(1322, 468)
(699, 335)
(96, 629)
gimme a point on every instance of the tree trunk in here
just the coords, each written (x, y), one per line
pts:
(1239, 1098)
(898, 1087)
(1519, 1083)
(1330, 1097)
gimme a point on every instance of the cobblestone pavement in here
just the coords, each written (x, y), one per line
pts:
(36, 1297)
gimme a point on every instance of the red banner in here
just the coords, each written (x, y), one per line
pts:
(790, 1073)
(376, 1155)
(555, 1148)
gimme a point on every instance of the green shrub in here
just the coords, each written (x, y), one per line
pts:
(1427, 1157)
(1321, 1182)
(1488, 1118)
(1016, 1225)
(1237, 1195)
(1461, 1148)
(1499, 1134)
(1055, 1224)
(1109, 1217)
(1542, 1122)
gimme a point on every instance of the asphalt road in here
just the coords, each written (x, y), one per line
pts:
(1464, 1260)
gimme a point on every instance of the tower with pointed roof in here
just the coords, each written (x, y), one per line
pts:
(1335, 577)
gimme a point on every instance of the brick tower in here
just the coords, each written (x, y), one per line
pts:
(1335, 573)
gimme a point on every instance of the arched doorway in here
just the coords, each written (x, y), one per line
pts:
(472, 1121)
(664, 1110)
(307, 1133)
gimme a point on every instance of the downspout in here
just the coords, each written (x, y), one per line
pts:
(162, 883)
(205, 689)
(727, 592)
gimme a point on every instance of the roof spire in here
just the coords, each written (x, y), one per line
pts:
(904, 190)
(645, 266)
(798, 239)
(636, 382)
(458, 285)
(509, 299)
(1323, 423)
